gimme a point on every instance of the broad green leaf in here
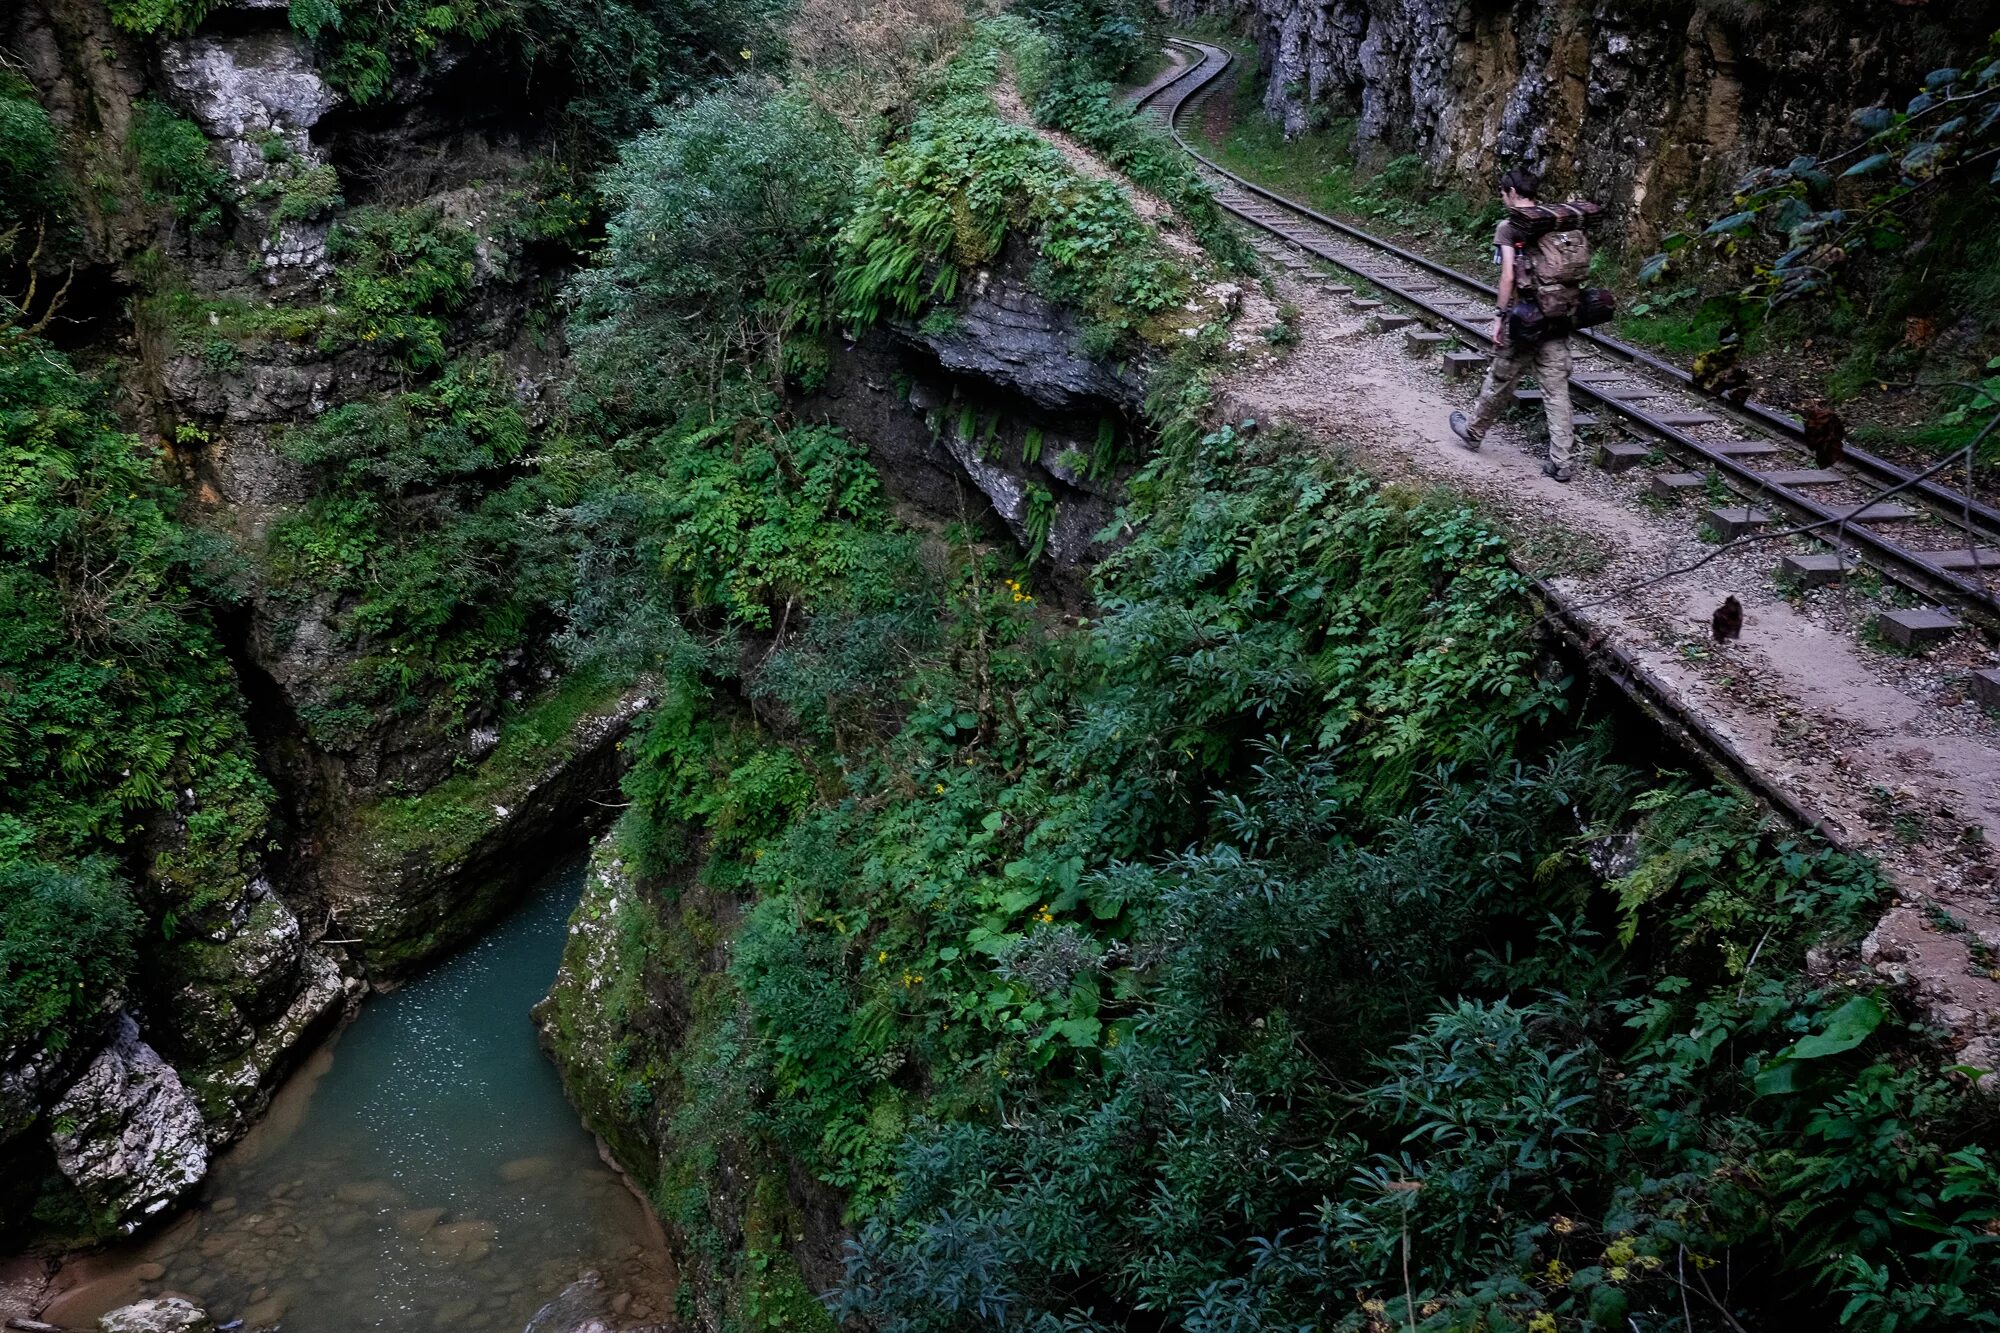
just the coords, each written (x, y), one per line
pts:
(1734, 222)
(1869, 165)
(1846, 1028)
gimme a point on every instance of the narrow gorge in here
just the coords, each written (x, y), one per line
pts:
(671, 666)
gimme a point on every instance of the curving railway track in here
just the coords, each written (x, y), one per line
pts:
(1933, 539)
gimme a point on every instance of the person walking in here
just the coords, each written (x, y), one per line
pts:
(1515, 350)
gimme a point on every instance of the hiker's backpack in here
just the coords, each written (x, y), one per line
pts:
(1556, 253)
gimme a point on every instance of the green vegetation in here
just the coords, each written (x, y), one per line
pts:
(1277, 948)
(1877, 248)
(946, 198)
(1177, 910)
(118, 708)
(719, 249)
(65, 944)
(176, 169)
(419, 523)
(32, 180)
(1068, 65)
(402, 273)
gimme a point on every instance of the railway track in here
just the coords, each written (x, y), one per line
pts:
(1938, 542)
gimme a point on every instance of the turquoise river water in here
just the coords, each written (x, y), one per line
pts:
(422, 1172)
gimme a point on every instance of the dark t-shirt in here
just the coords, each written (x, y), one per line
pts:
(1505, 235)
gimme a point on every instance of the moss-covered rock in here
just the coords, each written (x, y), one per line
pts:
(410, 878)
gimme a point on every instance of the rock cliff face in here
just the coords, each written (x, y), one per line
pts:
(1653, 106)
(220, 339)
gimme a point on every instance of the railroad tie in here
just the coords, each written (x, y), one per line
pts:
(1363, 303)
(1422, 340)
(1964, 560)
(1985, 687)
(1389, 323)
(1733, 521)
(1621, 455)
(1461, 364)
(1801, 476)
(1883, 511)
(1743, 448)
(1917, 628)
(1673, 485)
(1818, 569)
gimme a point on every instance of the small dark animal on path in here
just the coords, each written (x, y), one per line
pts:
(1717, 374)
(1826, 433)
(1727, 622)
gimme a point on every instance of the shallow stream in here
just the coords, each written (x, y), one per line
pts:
(422, 1172)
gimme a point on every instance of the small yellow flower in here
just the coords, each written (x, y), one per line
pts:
(745, 53)
(882, 956)
(940, 789)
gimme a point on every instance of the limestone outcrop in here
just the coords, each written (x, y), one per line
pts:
(128, 1134)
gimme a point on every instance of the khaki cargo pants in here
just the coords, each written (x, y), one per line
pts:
(1550, 362)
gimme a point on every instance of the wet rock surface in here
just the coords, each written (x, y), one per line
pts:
(167, 1314)
(128, 1134)
(588, 1306)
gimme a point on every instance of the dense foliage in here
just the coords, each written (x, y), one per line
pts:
(120, 727)
(719, 250)
(176, 168)
(1276, 948)
(946, 198)
(1273, 954)
(32, 180)
(65, 948)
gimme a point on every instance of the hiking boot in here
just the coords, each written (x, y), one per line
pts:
(1560, 473)
(1460, 428)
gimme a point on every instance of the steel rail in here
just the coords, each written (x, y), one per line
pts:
(1767, 417)
(1214, 62)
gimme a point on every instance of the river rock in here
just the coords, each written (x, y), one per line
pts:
(584, 1306)
(165, 1314)
(128, 1134)
(413, 1224)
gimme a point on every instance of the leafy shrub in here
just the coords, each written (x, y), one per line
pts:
(176, 168)
(612, 61)
(946, 199)
(719, 244)
(118, 707)
(401, 273)
(65, 946)
(419, 516)
(31, 174)
(149, 16)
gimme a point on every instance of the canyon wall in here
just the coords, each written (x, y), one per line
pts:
(1653, 106)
